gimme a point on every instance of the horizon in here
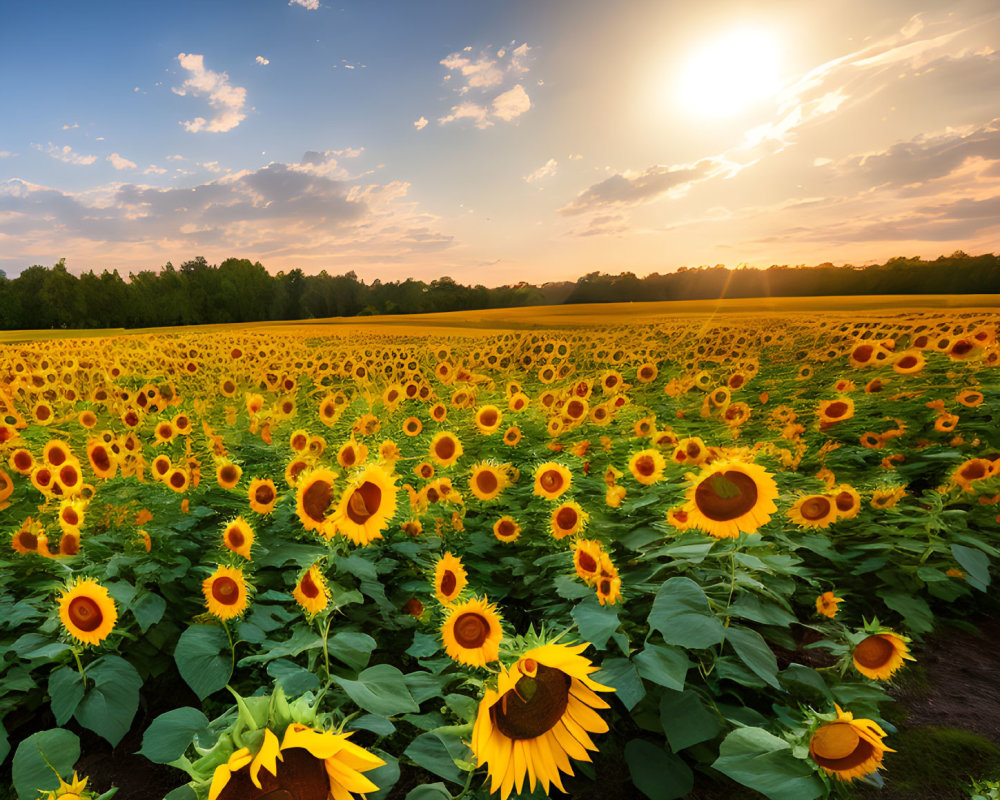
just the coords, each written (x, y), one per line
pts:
(511, 140)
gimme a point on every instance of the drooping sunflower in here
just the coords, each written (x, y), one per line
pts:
(445, 448)
(568, 519)
(608, 584)
(313, 764)
(813, 511)
(352, 454)
(587, 559)
(848, 748)
(314, 500)
(887, 497)
(878, 656)
(551, 480)
(730, 497)
(647, 466)
(367, 505)
(262, 495)
(225, 592)
(826, 604)
(238, 536)
(310, 591)
(449, 578)
(506, 529)
(471, 632)
(487, 480)
(540, 715)
(87, 611)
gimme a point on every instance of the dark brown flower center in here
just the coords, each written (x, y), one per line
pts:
(308, 586)
(973, 471)
(506, 528)
(364, 503)
(551, 480)
(69, 475)
(863, 353)
(445, 448)
(228, 474)
(226, 591)
(69, 544)
(316, 499)
(566, 518)
(471, 630)
(586, 562)
(236, 537)
(726, 495)
(85, 614)
(873, 652)
(486, 481)
(605, 587)
(300, 776)
(57, 456)
(645, 466)
(845, 501)
(264, 494)
(534, 706)
(815, 508)
(488, 418)
(448, 583)
(836, 409)
(27, 539)
(177, 480)
(349, 456)
(22, 460)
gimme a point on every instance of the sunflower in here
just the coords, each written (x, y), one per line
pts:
(833, 411)
(314, 500)
(487, 480)
(69, 543)
(551, 480)
(228, 474)
(506, 529)
(539, 716)
(647, 466)
(238, 536)
(412, 426)
(847, 500)
(22, 461)
(160, 467)
(587, 559)
(678, 519)
(878, 656)
(614, 495)
(568, 519)
(968, 472)
(512, 436)
(690, 450)
(87, 611)
(310, 591)
(826, 604)
(71, 514)
(909, 362)
(25, 538)
(312, 764)
(177, 479)
(887, 497)
(813, 511)
(449, 578)
(445, 448)
(263, 495)
(352, 454)
(367, 505)
(608, 584)
(487, 420)
(472, 632)
(74, 790)
(848, 748)
(729, 497)
(225, 592)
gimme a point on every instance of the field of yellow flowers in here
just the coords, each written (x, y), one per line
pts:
(468, 560)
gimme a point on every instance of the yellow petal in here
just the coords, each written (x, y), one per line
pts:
(267, 757)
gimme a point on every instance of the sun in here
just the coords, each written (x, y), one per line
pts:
(730, 74)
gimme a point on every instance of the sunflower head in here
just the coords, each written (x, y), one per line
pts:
(449, 578)
(238, 536)
(647, 466)
(310, 591)
(262, 495)
(506, 529)
(568, 519)
(314, 500)
(76, 789)
(472, 632)
(551, 480)
(848, 748)
(487, 480)
(87, 611)
(225, 592)
(445, 448)
(813, 511)
(879, 655)
(367, 505)
(826, 604)
(730, 497)
(587, 559)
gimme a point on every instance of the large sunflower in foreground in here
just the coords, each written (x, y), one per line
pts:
(848, 748)
(87, 611)
(314, 765)
(367, 505)
(472, 633)
(730, 497)
(540, 715)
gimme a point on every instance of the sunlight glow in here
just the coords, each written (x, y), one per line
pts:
(730, 74)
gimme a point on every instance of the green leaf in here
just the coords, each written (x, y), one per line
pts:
(353, 649)
(763, 762)
(380, 726)
(35, 645)
(204, 659)
(595, 622)
(385, 777)
(799, 675)
(975, 563)
(750, 606)
(380, 690)
(656, 773)
(66, 690)
(666, 666)
(754, 652)
(685, 719)
(184, 792)
(570, 587)
(429, 791)
(293, 679)
(169, 735)
(914, 609)
(31, 770)
(424, 685)
(621, 675)
(148, 610)
(302, 639)
(110, 704)
(463, 707)
(423, 645)
(4, 743)
(683, 617)
(437, 752)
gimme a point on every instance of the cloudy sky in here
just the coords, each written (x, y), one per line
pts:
(498, 140)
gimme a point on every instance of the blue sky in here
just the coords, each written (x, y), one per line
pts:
(496, 141)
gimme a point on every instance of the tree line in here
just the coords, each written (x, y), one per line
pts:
(238, 290)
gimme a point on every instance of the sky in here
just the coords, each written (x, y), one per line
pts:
(496, 141)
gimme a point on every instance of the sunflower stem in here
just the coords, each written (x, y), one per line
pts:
(468, 783)
(79, 665)
(326, 653)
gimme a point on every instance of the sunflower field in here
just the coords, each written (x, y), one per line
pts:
(308, 563)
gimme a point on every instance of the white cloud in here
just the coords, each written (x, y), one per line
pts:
(226, 100)
(479, 114)
(312, 5)
(547, 170)
(119, 162)
(263, 61)
(70, 127)
(176, 158)
(66, 154)
(152, 169)
(420, 124)
(6, 154)
(481, 72)
(511, 103)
